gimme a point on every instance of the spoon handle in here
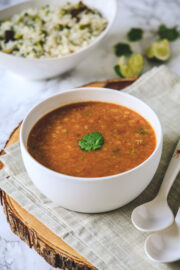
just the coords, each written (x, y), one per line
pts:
(171, 173)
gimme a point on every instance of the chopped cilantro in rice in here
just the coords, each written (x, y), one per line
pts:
(51, 31)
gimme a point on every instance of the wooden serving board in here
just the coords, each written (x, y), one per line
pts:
(51, 247)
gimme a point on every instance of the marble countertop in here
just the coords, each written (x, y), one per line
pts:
(19, 95)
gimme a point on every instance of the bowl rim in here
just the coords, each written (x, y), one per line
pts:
(89, 179)
(51, 59)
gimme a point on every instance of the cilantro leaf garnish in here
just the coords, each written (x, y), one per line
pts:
(122, 49)
(92, 141)
(168, 33)
(135, 34)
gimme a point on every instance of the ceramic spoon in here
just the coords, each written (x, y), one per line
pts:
(156, 214)
(164, 246)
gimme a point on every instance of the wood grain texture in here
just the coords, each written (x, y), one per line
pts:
(51, 247)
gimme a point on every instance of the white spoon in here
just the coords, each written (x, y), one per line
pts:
(164, 246)
(156, 214)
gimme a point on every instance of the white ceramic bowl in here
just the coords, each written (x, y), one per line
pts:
(47, 68)
(91, 195)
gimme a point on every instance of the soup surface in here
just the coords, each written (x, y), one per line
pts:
(128, 139)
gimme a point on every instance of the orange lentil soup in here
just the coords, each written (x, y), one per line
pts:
(128, 139)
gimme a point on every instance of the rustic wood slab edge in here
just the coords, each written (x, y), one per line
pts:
(51, 247)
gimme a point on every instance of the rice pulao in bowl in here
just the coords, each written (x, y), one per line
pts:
(44, 38)
(91, 150)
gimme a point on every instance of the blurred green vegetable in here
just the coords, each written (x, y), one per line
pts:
(170, 34)
(122, 48)
(135, 34)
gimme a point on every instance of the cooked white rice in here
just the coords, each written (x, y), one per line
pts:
(51, 31)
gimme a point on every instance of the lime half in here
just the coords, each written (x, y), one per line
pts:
(129, 67)
(159, 50)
